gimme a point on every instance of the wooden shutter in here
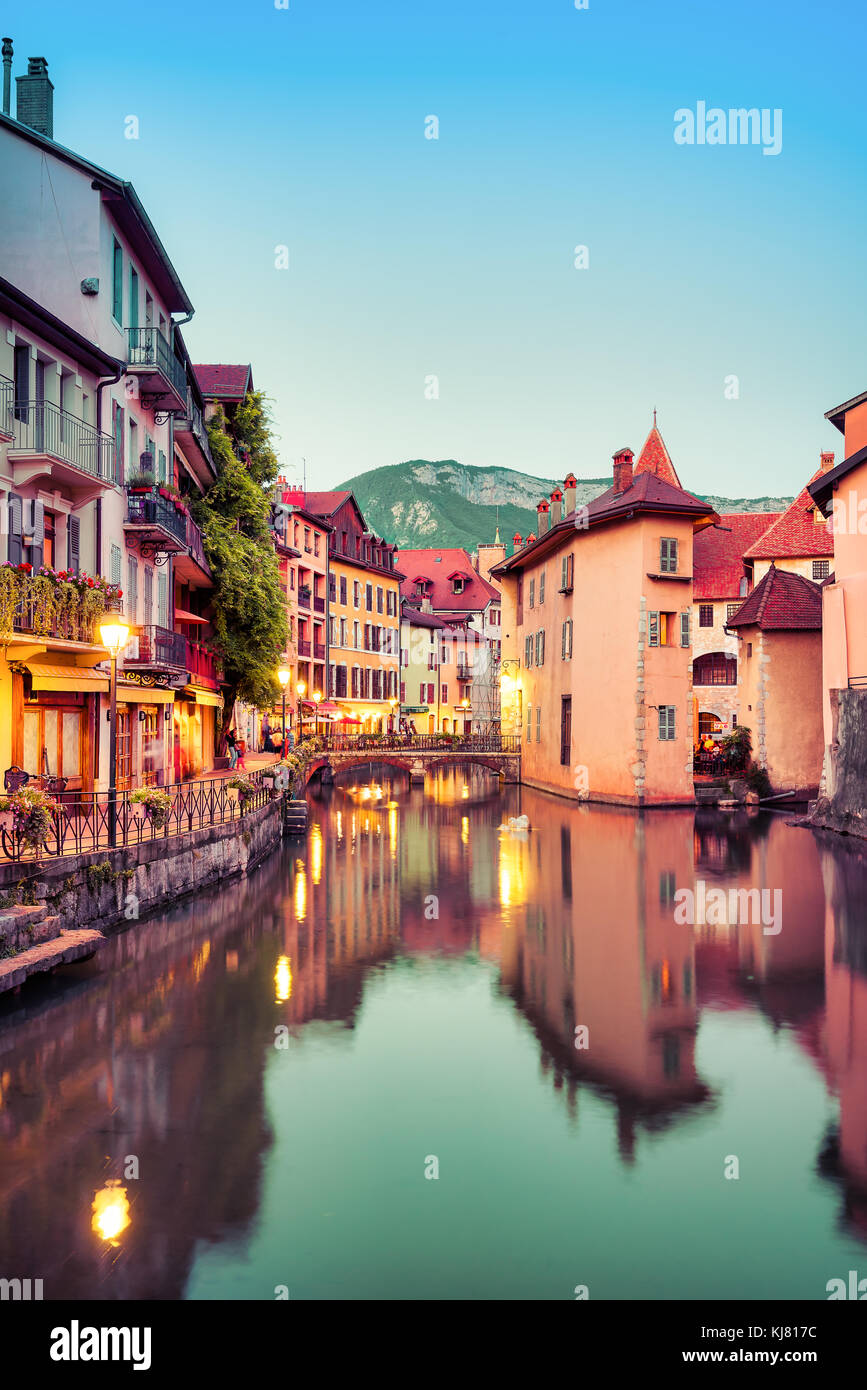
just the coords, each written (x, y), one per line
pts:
(684, 629)
(653, 629)
(73, 544)
(15, 548)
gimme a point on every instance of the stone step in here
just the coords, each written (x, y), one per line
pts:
(47, 955)
(22, 926)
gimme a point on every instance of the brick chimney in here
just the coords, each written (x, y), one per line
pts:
(556, 507)
(826, 462)
(623, 470)
(7, 75)
(36, 98)
(517, 542)
(542, 517)
(530, 539)
(570, 489)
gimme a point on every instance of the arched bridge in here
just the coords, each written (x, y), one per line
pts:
(500, 754)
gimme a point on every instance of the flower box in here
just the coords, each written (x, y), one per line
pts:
(7, 822)
(233, 793)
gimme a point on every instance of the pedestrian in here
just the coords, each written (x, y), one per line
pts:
(267, 742)
(242, 748)
(232, 745)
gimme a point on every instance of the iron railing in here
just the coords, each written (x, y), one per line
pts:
(82, 821)
(201, 664)
(42, 428)
(158, 647)
(148, 347)
(318, 651)
(303, 647)
(303, 596)
(318, 604)
(196, 545)
(424, 743)
(149, 509)
(7, 396)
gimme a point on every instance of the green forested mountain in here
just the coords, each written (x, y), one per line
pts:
(420, 503)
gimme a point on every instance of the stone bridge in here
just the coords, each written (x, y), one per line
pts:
(416, 761)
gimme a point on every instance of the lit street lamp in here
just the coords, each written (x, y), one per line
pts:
(301, 689)
(114, 634)
(393, 703)
(284, 675)
(465, 705)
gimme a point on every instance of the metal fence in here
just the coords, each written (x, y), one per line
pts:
(42, 428)
(148, 347)
(83, 822)
(423, 743)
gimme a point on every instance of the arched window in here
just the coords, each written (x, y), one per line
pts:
(715, 668)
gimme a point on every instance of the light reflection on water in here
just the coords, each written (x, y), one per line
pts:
(283, 1056)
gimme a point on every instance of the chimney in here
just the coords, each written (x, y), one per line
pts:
(623, 470)
(7, 75)
(542, 517)
(570, 487)
(530, 539)
(517, 542)
(826, 462)
(36, 98)
(556, 507)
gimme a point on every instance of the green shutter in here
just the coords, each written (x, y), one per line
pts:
(133, 297)
(117, 284)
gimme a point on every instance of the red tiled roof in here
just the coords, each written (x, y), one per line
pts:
(718, 551)
(325, 503)
(655, 458)
(438, 565)
(226, 382)
(416, 618)
(782, 600)
(795, 533)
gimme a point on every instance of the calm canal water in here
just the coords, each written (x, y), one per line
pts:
(284, 1059)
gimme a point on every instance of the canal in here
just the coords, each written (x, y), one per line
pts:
(416, 1055)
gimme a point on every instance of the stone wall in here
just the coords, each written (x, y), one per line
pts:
(110, 887)
(846, 808)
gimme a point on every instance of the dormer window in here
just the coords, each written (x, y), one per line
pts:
(457, 586)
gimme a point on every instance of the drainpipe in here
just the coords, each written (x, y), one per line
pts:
(103, 381)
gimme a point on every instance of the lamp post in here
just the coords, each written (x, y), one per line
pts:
(114, 634)
(284, 675)
(465, 705)
(301, 690)
(317, 695)
(393, 703)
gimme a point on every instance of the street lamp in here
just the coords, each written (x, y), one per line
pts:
(301, 690)
(317, 695)
(465, 705)
(393, 704)
(284, 675)
(114, 634)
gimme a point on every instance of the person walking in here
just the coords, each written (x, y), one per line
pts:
(242, 748)
(232, 745)
(267, 742)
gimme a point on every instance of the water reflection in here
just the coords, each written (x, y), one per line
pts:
(164, 1050)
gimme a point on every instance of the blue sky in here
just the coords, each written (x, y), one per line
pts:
(411, 258)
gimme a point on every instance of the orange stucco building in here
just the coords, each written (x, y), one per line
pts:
(597, 641)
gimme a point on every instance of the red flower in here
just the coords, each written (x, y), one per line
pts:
(90, 583)
(25, 566)
(120, 593)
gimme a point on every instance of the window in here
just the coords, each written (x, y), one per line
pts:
(529, 723)
(542, 587)
(343, 635)
(528, 650)
(705, 615)
(567, 569)
(667, 555)
(566, 645)
(73, 543)
(117, 414)
(731, 609)
(332, 588)
(660, 629)
(316, 539)
(821, 570)
(540, 647)
(445, 696)
(21, 369)
(133, 297)
(343, 588)
(565, 731)
(430, 694)
(715, 668)
(538, 723)
(532, 593)
(117, 283)
(162, 467)
(458, 585)
(666, 723)
(379, 607)
(368, 597)
(685, 636)
(356, 595)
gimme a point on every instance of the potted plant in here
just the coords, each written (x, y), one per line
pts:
(140, 482)
(32, 813)
(153, 803)
(240, 789)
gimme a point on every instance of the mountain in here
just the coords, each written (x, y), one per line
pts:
(420, 503)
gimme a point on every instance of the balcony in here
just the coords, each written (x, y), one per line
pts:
(318, 651)
(48, 442)
(7, 397)
(153, 648)
(303, 597)
(191, 565)
(192, 436)
(465, 673)
(154, 525)
(303, 647)
(318, 605)
(202, 665)
(161, 377)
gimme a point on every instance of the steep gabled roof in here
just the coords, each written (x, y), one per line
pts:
(784, 602)
(437, 567)
(718, 553)
(795, 534)
(655, 458)
(325, 503)
(222, 381)
(823, 487)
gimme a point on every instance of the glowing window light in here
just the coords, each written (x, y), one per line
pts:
(110, 1209)
(300, 896)
(283, 979)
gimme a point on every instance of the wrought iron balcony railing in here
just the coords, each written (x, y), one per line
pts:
(157, 647)
(149, 509)
(40, 427)
(148, 347)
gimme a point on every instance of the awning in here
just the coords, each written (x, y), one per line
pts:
(182, 616)
(207, 697)
(62, 679)
(143, 695)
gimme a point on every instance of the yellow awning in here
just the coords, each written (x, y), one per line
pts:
(143, 695)
(207, 697)
(63, 679)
